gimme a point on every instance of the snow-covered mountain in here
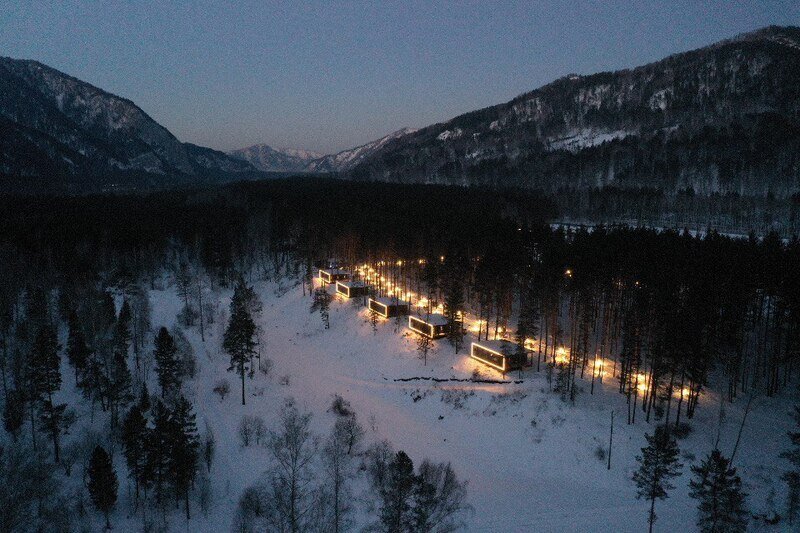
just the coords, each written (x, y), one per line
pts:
(720, 119)
(264, 157)
(54, 126)
(348, 159)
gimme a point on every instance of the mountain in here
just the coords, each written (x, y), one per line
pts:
(264, 157)
(347, 159)
(720, 119)
(56, 128)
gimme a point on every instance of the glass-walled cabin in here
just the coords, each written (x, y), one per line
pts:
(388, 307)
(500, 354)
(332, 275)
(434, 326)
(351, 289)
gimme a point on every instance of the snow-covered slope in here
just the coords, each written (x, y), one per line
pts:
(529, 457)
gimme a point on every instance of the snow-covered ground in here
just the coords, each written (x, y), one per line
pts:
(529, 457)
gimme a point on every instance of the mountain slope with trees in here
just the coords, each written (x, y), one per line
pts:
(724, 119)
(65, 131)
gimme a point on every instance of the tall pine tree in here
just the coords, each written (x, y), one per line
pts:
(45, 368)
(239, 339)
(135, 435)
(185, 447)
(168, 366)
(102, 482)
(720, 500)
(658, 464)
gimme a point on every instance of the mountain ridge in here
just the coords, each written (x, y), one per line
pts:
(56, 125)
(719, 119)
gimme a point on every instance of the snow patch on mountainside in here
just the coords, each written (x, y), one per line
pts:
(446, 135)
(585, 138)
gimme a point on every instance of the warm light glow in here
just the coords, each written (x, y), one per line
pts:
(562, 355)
(486, 362)
(642, 382)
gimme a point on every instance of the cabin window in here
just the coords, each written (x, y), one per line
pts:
(480, 352)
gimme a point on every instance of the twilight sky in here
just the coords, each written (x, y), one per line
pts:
(330, 75)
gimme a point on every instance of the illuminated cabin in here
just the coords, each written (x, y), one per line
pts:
(434, 325)
(332, 275)
(500, 354)
(388, 307)
(351, 289)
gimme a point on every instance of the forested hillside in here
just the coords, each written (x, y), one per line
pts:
(148, 365)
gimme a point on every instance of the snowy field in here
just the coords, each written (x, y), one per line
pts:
(529, 457)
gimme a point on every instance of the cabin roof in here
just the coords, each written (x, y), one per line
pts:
(352, 284)
(389, 301)
(497, 345)
(434, 319)
(334, 271)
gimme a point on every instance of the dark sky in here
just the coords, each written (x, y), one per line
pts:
(330, 75)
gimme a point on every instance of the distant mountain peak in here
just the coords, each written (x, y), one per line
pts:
(266, 158)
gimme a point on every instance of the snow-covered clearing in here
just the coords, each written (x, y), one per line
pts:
(529, 457)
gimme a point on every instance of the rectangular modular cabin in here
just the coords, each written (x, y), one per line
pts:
(351, 289)
(500, 354)
(332, 275)
(388, 307)
(434, 325)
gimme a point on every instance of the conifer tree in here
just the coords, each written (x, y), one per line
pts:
(718, 491)
(78, 351)
(121, 339)
(453, 307)
(322, 303)
(658, 464)
(14, 412)
(144, 399)
(239, 339)
(134, 445)
(184, 450)
(528, 322)
(102, 482)
(120, 387)
(158, 452)
(396, 513)
(167, 364)
(45, 368)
